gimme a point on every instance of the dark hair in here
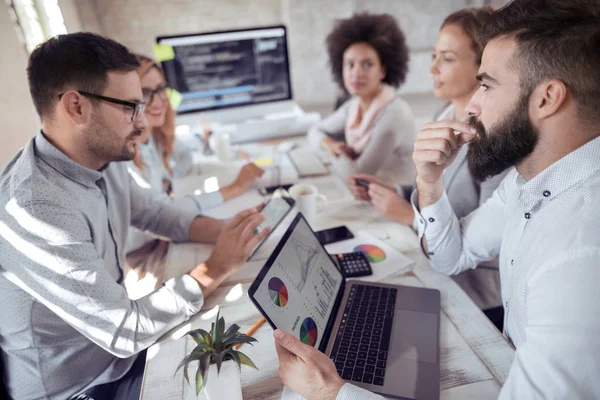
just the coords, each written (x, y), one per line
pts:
(556, 39)
(381, 31)
(471, 20)
(74, 61)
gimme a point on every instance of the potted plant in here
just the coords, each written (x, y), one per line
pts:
(218, 362)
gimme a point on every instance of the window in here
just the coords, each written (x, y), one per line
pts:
(38, 20)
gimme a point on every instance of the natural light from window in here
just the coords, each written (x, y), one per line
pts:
(37, 20)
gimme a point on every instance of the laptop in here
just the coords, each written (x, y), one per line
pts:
(383, 338)
(238, 80)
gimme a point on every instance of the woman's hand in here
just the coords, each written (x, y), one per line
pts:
(337, 149)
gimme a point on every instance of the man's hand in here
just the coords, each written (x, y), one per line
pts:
(249, 174)
(305, 369)
(389, 204)
(436, 147)
(234, 245)
(337, 149)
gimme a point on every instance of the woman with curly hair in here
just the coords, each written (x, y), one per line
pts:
(374, 131)
(160, 159)
(454, 65)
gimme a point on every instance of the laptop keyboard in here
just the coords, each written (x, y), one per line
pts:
(361, 347)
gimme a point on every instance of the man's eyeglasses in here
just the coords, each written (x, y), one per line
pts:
(149, 94)
(137, 108)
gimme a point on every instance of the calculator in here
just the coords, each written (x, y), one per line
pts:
(355, 264)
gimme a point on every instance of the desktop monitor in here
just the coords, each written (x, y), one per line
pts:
(227, 69)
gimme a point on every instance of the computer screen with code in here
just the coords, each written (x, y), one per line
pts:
(227, 69)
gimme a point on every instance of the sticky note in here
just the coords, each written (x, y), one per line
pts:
(174, 98)
(163, 52)
(264, 162)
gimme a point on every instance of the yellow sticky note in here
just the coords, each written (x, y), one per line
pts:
(163, 52)
(174, 98)
(264, 162)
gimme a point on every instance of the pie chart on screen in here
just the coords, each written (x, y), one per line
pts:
(373, 253)
(309, 332)
(278, 292)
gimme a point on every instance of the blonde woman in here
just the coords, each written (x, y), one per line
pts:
(158, 161)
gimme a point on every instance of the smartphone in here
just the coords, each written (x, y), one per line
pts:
(337, 234)
(274, 211)
(362, 182)
(270, 189)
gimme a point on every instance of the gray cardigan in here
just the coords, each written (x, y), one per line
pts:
(388, 154)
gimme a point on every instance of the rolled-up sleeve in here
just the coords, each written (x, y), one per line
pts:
(52, 257)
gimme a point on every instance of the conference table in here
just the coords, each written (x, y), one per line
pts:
(475, 357)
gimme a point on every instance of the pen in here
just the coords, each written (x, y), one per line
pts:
(253, 329)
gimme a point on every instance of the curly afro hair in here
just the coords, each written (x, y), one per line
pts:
(382, 32)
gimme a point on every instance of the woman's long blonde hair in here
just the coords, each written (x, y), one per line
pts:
(163, 135)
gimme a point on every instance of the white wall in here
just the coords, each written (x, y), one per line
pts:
(18, 119)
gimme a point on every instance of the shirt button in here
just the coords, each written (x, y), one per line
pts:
(506, 304)
(430, 253)
(431, 220)
(547, 193)
(527, 215)
(421, 221)
(512, 262)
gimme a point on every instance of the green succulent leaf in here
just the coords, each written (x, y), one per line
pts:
(218, 334)
(199, 380)
(244, 359)
(185, 373)
(206, 337)
(239, 340)
(204, 365)
(194, 355)
(233, 355)
(218, 359)
(198, 338)
(232, 331)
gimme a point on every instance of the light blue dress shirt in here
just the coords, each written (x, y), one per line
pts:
(67, 322)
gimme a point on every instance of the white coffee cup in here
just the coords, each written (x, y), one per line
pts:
(306, 197)
(221, 145)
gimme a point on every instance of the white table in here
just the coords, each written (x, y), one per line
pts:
(475, 358)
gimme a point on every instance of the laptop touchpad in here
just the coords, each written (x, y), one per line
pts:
(415, 336)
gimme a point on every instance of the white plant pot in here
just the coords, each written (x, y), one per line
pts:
(226, 385)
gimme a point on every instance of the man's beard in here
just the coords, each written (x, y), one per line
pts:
(505, 145)
(106, 144)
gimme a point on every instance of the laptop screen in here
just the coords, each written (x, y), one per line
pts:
(298, 287)
(227, 69)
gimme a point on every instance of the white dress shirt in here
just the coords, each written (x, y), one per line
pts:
(547, 233)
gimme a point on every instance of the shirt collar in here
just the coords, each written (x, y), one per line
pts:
(570, 170)
(63, 164)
